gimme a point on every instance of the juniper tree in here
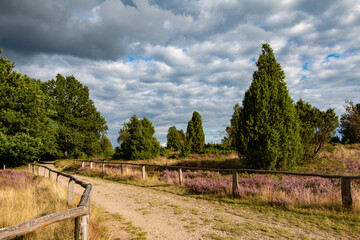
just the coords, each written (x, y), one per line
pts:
(350, 123)
(317, 127)
(195, 134)
(268, 132)
(137, 141)
(175, 139)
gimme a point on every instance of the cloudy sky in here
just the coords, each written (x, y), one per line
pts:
(163, 59)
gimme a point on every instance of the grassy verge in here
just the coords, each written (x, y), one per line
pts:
(24, 196)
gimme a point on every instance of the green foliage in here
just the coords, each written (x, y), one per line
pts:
(195, 134)
(79, 124)
(23, 117)
(185, 150)
(175, 139)
(215, 148)
(107, 149)
(317, 127)
(350, 123)
(230, 140)
(269, 131)
(137, 141)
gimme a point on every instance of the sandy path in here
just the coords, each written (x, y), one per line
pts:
(165, 215)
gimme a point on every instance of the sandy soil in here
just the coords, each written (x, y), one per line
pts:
(163, 215)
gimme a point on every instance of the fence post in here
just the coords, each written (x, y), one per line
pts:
(122, 169)
(143, 172)
(45, 172)
(29, 164)
(103, 167)
(82, 164)
(49, 174)
(82, 228)
(180, 177)
(235, 185)
(91, 165)
(71, 192)
(346, 193)
(4, 167)
(33, 169)
(39, 170)
(58, 180)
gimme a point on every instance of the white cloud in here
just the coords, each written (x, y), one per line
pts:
(165, 59)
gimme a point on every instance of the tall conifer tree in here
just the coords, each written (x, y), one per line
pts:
(195, 133)
(268, 133)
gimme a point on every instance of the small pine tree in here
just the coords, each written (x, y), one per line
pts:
(268, 133)
(195, 134)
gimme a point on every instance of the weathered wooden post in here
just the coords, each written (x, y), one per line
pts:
(103, 167)
(33, 169)
(143, 173)
(58, 180)
(29, 164)
(235, 185)
(44, 172)
(82, 228)
(346, 192)
(122, 169)
(71, 192)
(39, 170)
(180, 177)
(91, 165)
(50, 174)
(82, 164)
(4, 167)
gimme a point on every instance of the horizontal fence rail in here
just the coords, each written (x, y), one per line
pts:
(346, 194)
(81, 213)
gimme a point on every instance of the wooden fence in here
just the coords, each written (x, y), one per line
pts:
(81, 213)
(346, 195)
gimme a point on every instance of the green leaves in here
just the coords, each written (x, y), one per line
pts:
(268, 128)
(45, 120)
(317, 127)
(80, 124)
(137, 141)
(350, 123)
(175, 139)
(195, 134)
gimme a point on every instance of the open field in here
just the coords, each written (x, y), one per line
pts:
(305, 209)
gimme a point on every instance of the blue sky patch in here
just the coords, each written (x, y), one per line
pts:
(139, 58)
(303, 78)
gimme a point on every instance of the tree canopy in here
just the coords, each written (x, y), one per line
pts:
(137, 141)
(230, 139)
(175, 139)
(350, 123)
(317, 127)
(45, 120)
(195, 134)
(269, 129)
(80, 124)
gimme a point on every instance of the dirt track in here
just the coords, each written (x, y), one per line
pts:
(163, 215)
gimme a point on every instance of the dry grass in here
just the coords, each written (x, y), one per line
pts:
(24, 197)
